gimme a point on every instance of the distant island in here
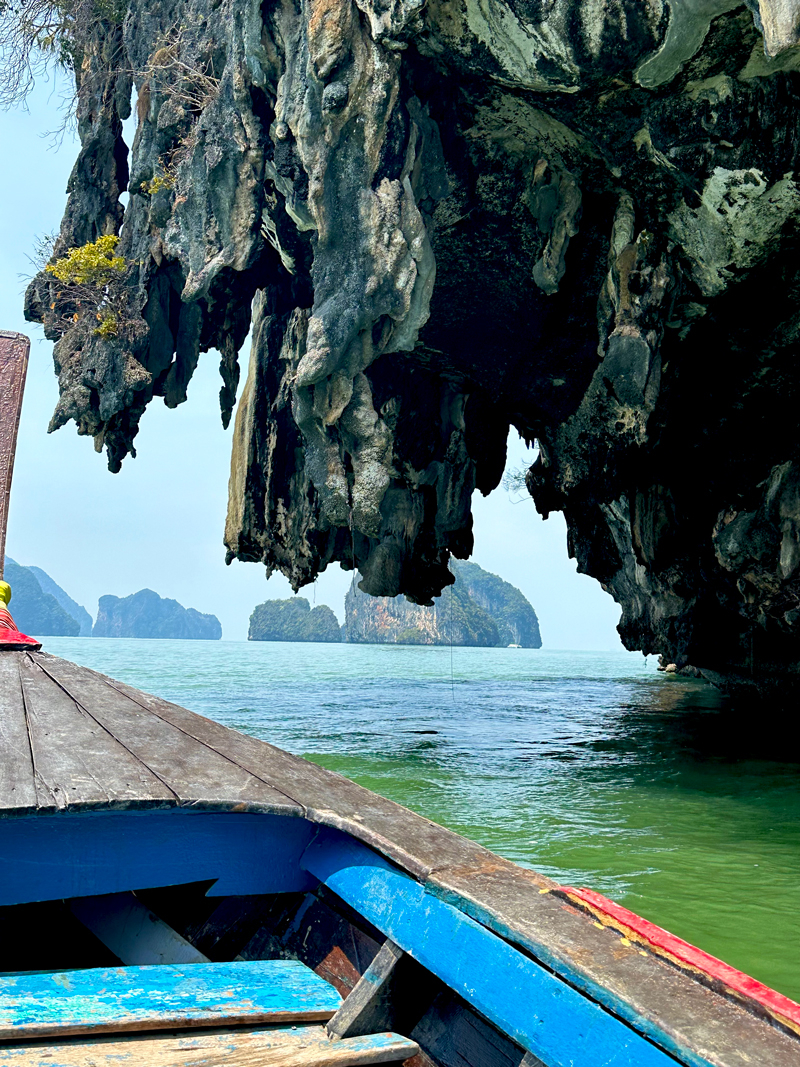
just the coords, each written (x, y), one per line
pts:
(40, 607)
(77, 611)
(293, 620)
(479, 610)
(146, 614)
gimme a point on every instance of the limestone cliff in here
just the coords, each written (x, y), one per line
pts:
(36, 610)
(72, 607)
(146, 614)
(576, 217)
(512, 612)
(479, 609)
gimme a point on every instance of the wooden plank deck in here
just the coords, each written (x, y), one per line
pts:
(162, 997)
(305, 1046)
(207, 767)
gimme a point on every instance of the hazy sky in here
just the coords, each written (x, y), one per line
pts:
(159, 523)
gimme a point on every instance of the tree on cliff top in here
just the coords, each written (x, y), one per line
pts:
(293, 620)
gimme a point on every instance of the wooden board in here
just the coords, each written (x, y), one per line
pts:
(671, 1008)
(14, 348)
(312, 930)
(302, 1046)
(66, 855)
(417, 844)
(634, 928)
(17, 788)
(689, 1019)
(190, 770)
(163, 997)
(76, 759)
(363, 1010)
(132, 932)
(546, 1016)
(455, 1036)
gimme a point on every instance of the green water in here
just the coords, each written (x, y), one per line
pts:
(590, 767)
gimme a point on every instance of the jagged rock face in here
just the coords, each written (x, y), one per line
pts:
(513, 613)
(576, 217)
(478, 609)
(36, 611)
(454, 618)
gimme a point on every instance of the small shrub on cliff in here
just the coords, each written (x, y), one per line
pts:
(159, 182)
(93, 264)
(92, 289)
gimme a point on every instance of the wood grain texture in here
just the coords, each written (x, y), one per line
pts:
(17, 789)
(670, 1007)
(635, 928)
(330, 799)
(132, 932)
(192, 771)
(455, 1036)
(76, 759)
(303, 1046)
(361, 1011)
(14, 348)
(526, 1002)
(163, 997)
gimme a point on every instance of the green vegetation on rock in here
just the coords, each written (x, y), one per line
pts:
(511, 610)
(36, 612)
(72, 607)
(293, 620)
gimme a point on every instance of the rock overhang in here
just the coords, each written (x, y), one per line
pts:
(576, 219)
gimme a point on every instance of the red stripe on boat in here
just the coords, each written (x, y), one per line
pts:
(10, 636)
(665, 942)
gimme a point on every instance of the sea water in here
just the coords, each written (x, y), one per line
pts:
(590, 767)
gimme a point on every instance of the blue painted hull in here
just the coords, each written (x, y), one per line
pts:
(86, 854)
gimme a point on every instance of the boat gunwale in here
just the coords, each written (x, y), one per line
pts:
(536, 915)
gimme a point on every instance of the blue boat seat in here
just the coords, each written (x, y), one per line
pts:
(163, 996)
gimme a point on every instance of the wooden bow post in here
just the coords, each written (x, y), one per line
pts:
(14, 349)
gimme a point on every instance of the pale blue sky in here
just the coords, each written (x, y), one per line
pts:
(159, 522)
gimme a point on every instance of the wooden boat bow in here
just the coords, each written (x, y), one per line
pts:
(84, 754)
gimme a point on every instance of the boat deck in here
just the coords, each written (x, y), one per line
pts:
(72, 740)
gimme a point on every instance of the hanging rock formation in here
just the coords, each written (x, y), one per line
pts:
(575, 217)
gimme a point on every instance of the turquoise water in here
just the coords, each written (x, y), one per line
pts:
(590, 767)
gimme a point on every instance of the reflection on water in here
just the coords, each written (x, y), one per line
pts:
(591, 767)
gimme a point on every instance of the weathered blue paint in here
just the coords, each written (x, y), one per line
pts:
(534, 1007)
(298, 1044)
(580, 979)
(160, 996)
(47, 857)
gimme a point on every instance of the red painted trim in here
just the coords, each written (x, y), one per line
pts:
(11, 639)
(10, 636)
(682, 951)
